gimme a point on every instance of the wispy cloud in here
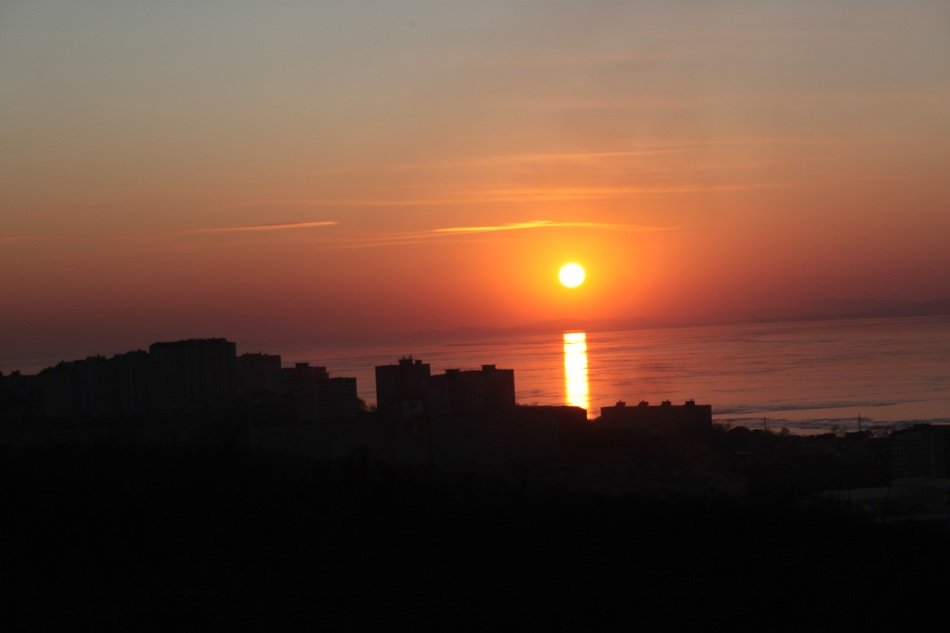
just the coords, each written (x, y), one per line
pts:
(543, 224)
(359, 239)
(458, 232)
(261, 228)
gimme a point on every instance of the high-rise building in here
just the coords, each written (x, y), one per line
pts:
(320, 398)
(474, 392)
(401, 389)
(257, 373)
(192, 374)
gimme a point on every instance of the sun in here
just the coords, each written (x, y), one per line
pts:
(571, 275)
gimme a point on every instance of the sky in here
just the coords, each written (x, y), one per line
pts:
(286, 173)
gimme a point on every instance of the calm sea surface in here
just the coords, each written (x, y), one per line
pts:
(806, 376)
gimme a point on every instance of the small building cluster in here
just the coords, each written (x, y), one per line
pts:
(408, 390)
(689, 418)
(464, 417)
(919, 488)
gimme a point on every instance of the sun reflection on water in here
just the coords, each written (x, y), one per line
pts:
(575, 370)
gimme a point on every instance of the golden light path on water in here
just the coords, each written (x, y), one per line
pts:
(575, 370)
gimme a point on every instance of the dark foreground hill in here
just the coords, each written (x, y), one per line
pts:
(204, 539)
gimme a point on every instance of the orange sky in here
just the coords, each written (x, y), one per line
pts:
(283, 174)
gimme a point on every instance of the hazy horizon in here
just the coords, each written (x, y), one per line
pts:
(317, 350)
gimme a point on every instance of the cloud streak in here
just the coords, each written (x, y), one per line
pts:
(265, 228)
(542, 224)
(457, 232)
(407, 238)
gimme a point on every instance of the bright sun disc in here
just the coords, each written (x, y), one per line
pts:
(571, 275)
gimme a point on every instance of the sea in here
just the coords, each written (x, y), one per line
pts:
(806, 377)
